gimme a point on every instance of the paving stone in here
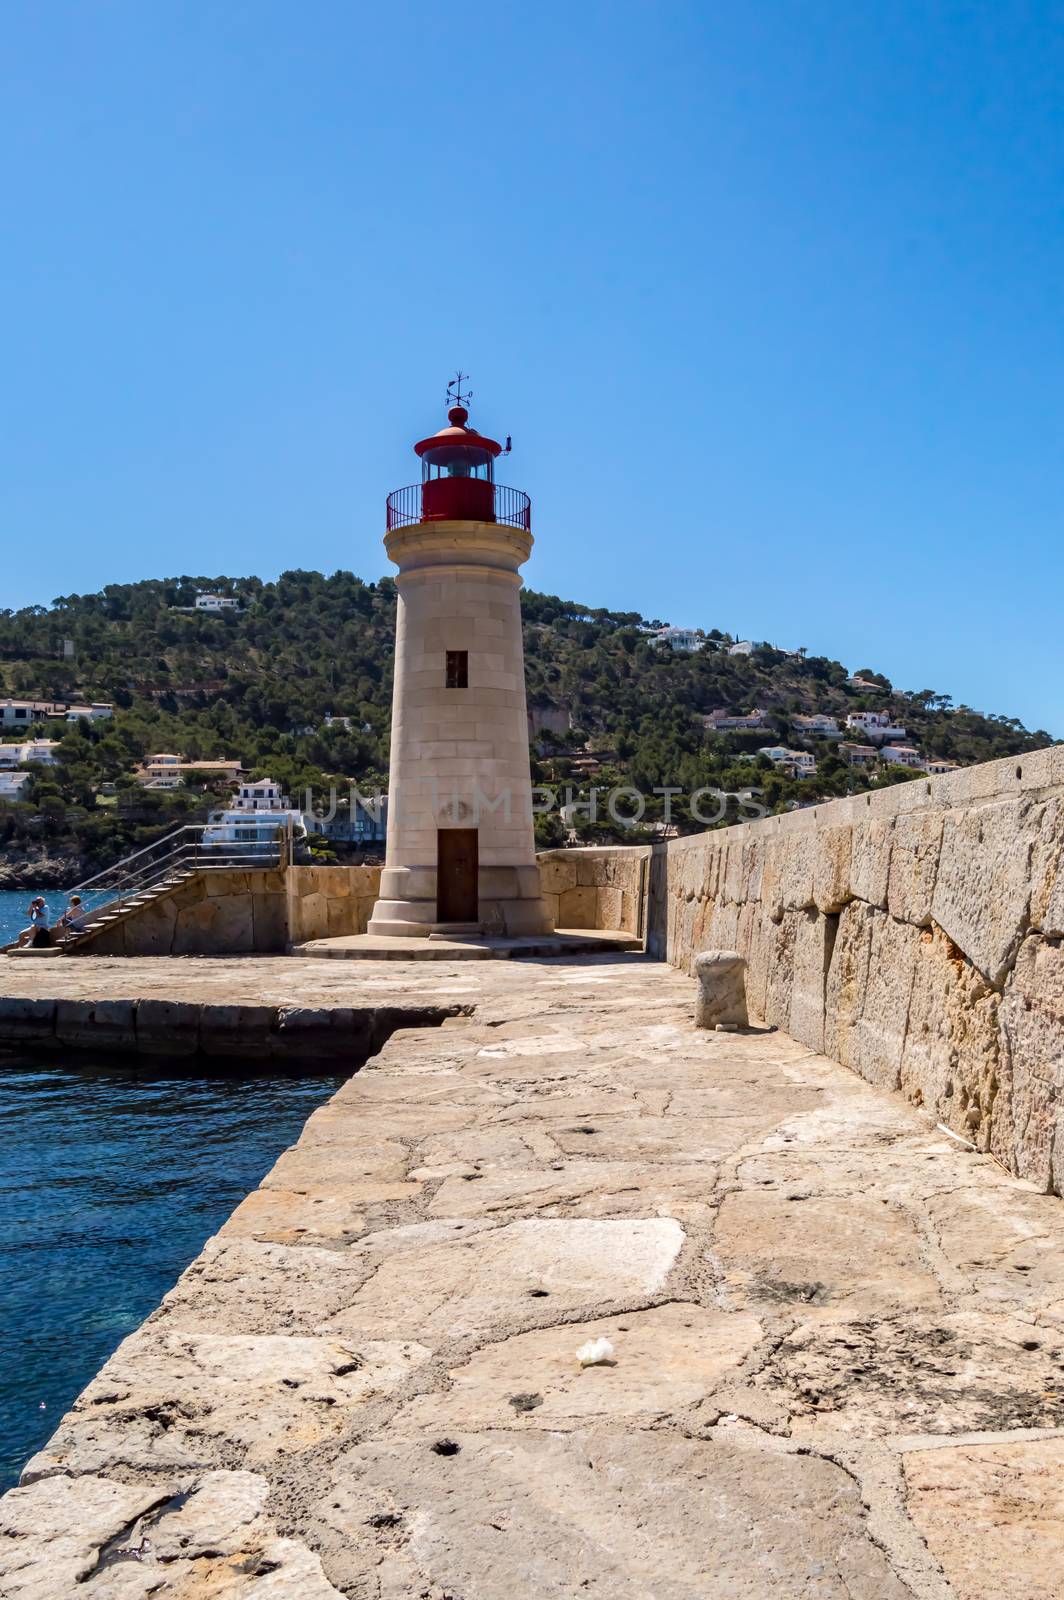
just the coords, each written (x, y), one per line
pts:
(467, 1287)
(666, 1360)
(514, 1513)
(991, 1514)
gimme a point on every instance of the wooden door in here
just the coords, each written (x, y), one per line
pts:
(456, 875)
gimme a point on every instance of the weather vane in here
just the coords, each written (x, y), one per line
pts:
(455, 395)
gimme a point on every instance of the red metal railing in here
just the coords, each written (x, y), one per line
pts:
(511, 506)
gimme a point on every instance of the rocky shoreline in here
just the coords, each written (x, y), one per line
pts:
(44, 871)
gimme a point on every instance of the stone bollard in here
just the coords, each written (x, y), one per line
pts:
(721, 978)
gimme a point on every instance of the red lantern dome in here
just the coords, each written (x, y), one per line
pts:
(458, 481)
(457, 472)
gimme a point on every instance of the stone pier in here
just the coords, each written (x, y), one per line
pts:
(837, 1331)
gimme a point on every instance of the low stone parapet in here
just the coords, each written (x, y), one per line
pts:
(596, 887)
(177, 1029)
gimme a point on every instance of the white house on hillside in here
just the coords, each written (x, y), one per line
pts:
(799, 763)
(39, 751)
(12, 784)
(680, 638)
(22, 714)
(215, 602)
(817, 725)
(877, 726)
(902, 755)
(265, 795)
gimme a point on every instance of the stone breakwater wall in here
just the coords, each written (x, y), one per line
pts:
(265, 1035)
(914, 934)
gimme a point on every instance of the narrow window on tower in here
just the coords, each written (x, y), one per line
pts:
(458, 669)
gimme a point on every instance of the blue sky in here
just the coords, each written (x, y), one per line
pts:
(768, 295)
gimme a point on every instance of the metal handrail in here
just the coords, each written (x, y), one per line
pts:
(129, 881)
(88, 882)
(512, 506)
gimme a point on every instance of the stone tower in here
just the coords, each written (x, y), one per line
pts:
(460, 854)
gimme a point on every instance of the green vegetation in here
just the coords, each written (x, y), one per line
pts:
(256, 684)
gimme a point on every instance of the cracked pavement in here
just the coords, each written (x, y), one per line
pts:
(838, 1333)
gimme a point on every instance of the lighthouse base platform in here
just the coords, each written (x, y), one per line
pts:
(469, 947)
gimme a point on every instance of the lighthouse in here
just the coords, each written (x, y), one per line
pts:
(461, 852)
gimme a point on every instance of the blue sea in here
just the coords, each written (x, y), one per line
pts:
(113, 1173)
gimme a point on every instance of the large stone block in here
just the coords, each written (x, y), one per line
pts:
(870, 863)
(557, 873)
(269, 924)
(1047, 872)
(168, 1027)
(576, 908)
(26, 1019)
(236, 1031)
(780, 939)
(222, 883)
(847, 980)
(1032, 1034)
(609, 908)
(97, 1024)
(983, 887)
(878, 1037)
(798, 869)
(813, 942)
(990, 1514)
(149, 931)
(194, 930)
(950, 1060)
(831, 868)
(913, 866)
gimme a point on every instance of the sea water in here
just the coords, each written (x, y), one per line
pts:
(112, 1176)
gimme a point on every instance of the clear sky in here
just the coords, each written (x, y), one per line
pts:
(768, 295)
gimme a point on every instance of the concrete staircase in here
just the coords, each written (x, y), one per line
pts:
(115, 911)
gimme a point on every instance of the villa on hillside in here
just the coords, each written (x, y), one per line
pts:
(816, 726)
(721, 721)
(263, 795)
(902, 755)
(876, 725)
(13, 784)
(167, 771)
(680, 638)
(859, 755)
(40, 752)
(21, 714)
(799, 763)
(938, 768)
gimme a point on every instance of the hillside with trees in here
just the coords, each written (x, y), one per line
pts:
(256, 684)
